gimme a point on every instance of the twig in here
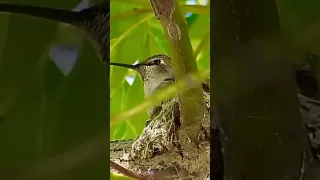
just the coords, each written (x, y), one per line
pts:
(125, 171)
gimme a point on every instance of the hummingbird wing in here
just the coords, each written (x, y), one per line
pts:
(93, 20)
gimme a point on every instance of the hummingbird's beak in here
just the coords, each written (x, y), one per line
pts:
(129, 66)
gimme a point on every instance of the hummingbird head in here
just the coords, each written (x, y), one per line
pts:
(155, 72)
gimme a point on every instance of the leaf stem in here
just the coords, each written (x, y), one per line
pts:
(197, 9)
(127, 32)
(201, 45)
(127, 14)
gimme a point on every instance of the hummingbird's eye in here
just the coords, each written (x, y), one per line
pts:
(157, 62)
(152, 62)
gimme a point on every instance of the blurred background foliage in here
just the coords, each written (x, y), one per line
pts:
(54, 96)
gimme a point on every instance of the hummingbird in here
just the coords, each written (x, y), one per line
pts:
(156, 72)
(94, 21)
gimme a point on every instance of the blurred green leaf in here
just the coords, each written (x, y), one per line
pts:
(45, 113)
(135, 97)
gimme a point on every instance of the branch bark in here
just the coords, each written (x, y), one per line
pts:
(192, 106)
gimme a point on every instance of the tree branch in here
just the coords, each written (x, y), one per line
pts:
(192, 107)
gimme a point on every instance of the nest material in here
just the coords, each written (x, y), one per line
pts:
(160, 141)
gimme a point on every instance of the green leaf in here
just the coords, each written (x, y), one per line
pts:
(45, 113)
(136, 96)
(200, 39)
